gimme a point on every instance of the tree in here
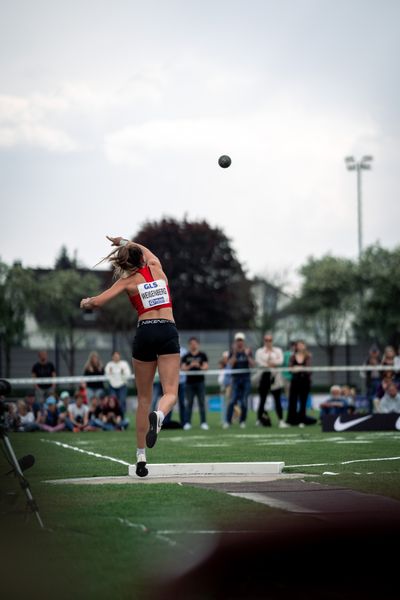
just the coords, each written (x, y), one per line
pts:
(118, 316)
(327, 299)
(64, 261)
(209, 287)
(16, 284)
(378, 276)
(56, 307)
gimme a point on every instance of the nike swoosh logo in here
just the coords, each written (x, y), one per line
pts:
(339, 426)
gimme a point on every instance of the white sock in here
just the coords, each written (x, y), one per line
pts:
(140, 451)
(161, 416)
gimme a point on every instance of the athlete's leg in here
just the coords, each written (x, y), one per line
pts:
(168, 369)
(144, 375)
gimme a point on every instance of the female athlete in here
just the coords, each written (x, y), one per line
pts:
(156, 345)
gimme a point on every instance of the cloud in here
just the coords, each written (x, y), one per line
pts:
(24, 122)
(42, 119)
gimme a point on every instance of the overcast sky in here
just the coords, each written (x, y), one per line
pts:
(115, 112)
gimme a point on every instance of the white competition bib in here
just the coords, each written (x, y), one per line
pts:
(154, 293)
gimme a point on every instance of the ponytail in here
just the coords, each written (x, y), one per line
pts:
(125, 260)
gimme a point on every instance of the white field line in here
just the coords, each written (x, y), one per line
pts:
(205, 531)
(122, 462)
(345, 462)
(159, 535)
(95, 454)
(128, 523)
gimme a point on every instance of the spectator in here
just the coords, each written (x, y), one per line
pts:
(32, 404)
(78, 414)
(193, 362)
(95, 414)
(386, 380)
(225, 378)
(118, 372)
(239, 359)
(372, 378)
(390, 402)
(300, 385)
(25, 417)
(64, 401)
(336, 404)
(349, 394)
(43, 368)
(82, 389)
(388, 359)
(112, 414)
(397, 361)
(11, 417)
(92, 368)
(269, 356)
(98, 414)
(50, 420)
(287, 375)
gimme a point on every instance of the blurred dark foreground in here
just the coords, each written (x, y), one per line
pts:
(315, 561)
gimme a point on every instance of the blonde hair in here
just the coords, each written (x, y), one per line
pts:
(21, 404)
(125, 260)
(88, 363)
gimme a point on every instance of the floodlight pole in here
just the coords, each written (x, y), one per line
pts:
(358, 166)
(359, 212)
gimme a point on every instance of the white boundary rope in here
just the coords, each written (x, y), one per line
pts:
(322, 369)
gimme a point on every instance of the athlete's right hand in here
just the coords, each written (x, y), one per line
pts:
(115, 240)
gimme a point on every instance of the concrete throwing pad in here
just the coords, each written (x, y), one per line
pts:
(224, 469)
(200, 480)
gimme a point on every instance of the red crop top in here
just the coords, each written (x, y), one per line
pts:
(152, 294)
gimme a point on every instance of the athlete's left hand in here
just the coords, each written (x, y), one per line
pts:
(84, 303)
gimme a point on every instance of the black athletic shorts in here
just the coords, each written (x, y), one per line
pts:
(155, 337)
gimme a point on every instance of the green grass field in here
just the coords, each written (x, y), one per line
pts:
(94, 532)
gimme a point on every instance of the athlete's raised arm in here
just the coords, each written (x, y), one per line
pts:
(148, 255)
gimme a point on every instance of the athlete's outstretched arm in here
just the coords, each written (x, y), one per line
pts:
(98, 301)
(148, 255)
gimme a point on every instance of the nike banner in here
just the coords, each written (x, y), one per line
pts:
(389, 422)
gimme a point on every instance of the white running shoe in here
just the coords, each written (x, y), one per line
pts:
(283, 424)
(204, 426)
(242, 425)
(301, 425)
(226, 425)
(187, 426)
